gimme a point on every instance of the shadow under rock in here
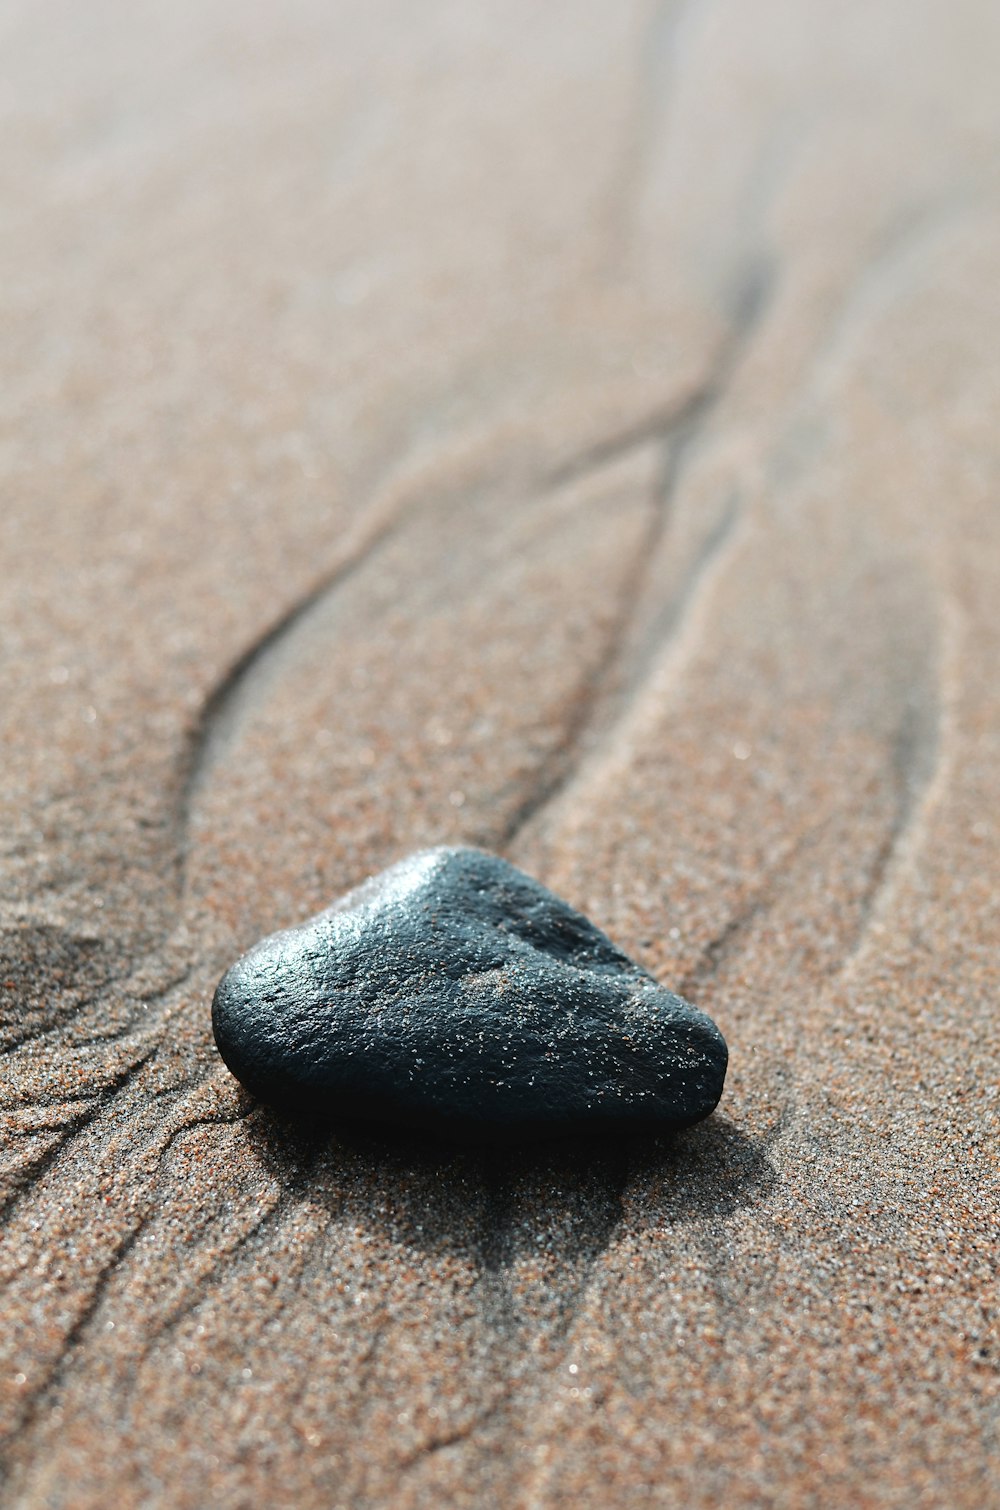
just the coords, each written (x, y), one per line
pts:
(495, 1207)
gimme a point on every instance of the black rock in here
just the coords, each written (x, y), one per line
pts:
(454, 993)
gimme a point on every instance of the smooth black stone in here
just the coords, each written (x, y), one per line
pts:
(455, 994)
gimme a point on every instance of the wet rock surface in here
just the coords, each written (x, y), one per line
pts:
(454, 993)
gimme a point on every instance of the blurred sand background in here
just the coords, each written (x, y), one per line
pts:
(572, 428)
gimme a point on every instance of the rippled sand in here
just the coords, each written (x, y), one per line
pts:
(569, 429)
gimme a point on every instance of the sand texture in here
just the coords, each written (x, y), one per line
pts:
(566, 428)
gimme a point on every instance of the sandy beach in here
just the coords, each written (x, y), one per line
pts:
(570, 430)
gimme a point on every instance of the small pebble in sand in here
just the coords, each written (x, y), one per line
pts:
(456, 994)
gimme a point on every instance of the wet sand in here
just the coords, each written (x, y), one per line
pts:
(570, 430)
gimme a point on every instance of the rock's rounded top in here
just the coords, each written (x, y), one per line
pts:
(454, 993)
